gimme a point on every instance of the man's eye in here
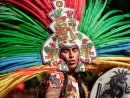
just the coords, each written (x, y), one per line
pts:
(65, 51)
(75, 50)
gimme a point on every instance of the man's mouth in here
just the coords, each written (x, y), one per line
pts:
(71, 62)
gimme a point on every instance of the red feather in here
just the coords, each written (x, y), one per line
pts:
(41, 8)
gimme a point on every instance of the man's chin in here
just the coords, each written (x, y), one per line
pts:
(71, 67)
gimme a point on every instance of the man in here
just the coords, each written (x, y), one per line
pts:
(66, 84)
(69, 56)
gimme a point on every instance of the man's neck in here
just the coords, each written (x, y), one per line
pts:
(73, 75)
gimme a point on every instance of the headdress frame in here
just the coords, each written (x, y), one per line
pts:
(65, 29)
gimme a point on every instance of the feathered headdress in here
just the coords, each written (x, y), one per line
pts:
(24, 29)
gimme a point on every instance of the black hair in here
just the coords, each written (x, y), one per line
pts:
(82, 78)
(41, 89)
(62, 94)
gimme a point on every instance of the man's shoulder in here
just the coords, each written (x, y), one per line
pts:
(58, 75)
(56, 79)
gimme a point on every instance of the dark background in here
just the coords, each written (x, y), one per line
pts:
(123, 5)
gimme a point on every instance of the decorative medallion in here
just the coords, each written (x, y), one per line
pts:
(113, 84)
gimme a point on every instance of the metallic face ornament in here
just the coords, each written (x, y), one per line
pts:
(65, 29)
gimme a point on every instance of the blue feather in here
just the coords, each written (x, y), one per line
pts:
(114, 50)
(113, 55)
(29, 64)
(16, 62)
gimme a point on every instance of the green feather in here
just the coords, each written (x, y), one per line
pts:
(106, 42)
(20, 33)
(107, 29)
(93, 13)
(107, 25)
(116, 32)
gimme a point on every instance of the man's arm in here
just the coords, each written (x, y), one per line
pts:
(52, 92)
(56, 81)
(51, 86)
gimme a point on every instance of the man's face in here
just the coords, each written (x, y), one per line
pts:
(70, 56)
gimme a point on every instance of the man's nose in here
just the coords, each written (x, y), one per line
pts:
(71, 54)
